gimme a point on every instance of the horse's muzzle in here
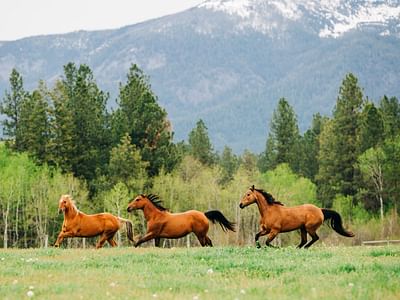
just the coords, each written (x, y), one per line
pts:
(60, 211)
(129, 209)
(241, 205)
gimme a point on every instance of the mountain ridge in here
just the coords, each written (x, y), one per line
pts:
(204, 63)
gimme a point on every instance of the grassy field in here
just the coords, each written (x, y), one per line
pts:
(201, 273)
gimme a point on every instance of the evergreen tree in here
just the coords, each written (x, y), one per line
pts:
(282, 142)
(200, 144)
(80, 123)
(62, 145)
(339, 148)
(34, 124)
(309, 145)
(140, 115)
(346, 128)
(327, 185)
(126, 165)
(229, 164)
(11, 107)
(371, 127)
(390, 109)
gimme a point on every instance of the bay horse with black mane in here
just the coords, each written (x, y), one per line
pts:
(276, 218)
(79, 224)
(163, 224)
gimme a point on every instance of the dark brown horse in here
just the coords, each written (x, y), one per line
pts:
(276, 218)
(78, 224)
(163, 224)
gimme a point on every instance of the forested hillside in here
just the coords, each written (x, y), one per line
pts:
(230, 60)
(60, 139)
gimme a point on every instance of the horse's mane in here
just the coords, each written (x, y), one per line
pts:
(268, 197)
(71, 200)
(156, 201)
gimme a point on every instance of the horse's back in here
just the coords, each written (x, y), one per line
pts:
(100, 222)
(185, 222)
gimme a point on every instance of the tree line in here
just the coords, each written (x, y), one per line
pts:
(63, 139)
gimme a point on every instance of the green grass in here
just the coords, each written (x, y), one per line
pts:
(201, 273)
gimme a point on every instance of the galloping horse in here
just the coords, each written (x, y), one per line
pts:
(78, 224)
(276, 218)
(163, 224)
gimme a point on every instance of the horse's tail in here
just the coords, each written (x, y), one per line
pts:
(129, 228)
(216, 215)
(336, 222)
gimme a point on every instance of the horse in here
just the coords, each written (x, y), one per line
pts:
(163, 224)
(276, 218)
(79, 224)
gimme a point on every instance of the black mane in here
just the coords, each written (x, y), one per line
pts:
(156, 201)
(268, 197)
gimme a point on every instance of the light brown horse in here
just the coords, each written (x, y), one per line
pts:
(78, 224)
(276, 218)
(163, 224)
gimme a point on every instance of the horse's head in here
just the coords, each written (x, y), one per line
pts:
(249, 197)
(137, 203)
(64, 204)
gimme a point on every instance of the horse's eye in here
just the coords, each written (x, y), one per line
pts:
(64, 201)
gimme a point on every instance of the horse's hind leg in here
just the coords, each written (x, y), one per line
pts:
(208, 242)
(102, 240)
(303, 233)
(270, 237)
(314, 237)
(157, 242)
(112, 242)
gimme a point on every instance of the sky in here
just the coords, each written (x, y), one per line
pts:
(23, 18)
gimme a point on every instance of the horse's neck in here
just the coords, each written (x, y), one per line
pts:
(150, 211)
(263, 206)
(71, 213)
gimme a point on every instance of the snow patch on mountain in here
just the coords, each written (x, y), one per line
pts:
(335, 17)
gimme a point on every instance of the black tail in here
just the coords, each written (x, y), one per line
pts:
(336, 222)
(216, 215)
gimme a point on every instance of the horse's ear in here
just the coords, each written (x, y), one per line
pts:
(252, 188)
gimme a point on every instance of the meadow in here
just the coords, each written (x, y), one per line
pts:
(201, 273)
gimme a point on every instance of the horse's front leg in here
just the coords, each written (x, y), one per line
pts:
(262, 232)
(63, 234)
(147, 237)
(271, 236)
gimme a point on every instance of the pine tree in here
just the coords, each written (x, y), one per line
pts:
(346, 128)
(339, 147)
(126, 165)
(283, 139)
(80, 123)
(229, 164)
(390, 109)
(371, 127)
(309, 145)
(145, 121)
(11, 107)
(34, 124)
(62, 145)
(200, 145)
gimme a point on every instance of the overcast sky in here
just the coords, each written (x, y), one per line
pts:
(23, 18)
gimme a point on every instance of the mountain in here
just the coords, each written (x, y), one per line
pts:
(228, 62)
